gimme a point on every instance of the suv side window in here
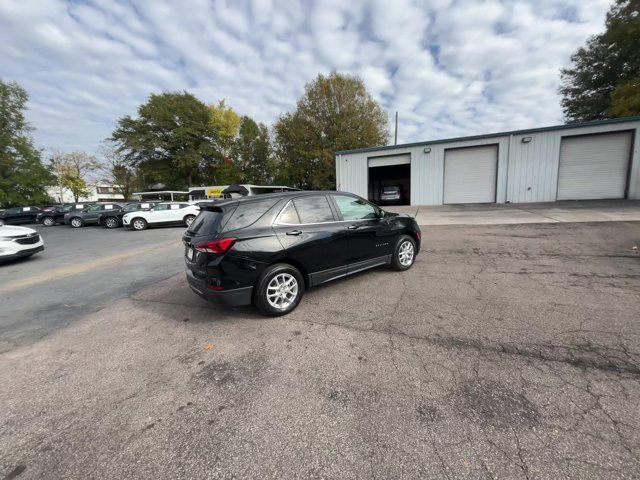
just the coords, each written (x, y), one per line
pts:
(289, 215)
(248, 213)
(162, 206)
(314, 209)
(355, 208)
(94, 208)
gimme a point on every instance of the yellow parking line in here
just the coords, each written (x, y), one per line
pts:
(57, 273)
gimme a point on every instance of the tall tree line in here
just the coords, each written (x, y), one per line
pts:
(176, 140)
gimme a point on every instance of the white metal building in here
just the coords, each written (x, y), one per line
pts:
(591, 160)
(96, 192)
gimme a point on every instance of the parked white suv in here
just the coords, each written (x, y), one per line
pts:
(163, 214)
(16, 242)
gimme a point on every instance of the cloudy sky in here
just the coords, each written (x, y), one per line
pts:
(450, 67)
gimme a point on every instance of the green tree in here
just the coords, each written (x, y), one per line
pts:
(73, 170)
(252, 152)
(336, 112)
(221, 169)
(605, 73)
(170, 141)
(625, 99)
(226, 123)
(226, 173)
(23, 177)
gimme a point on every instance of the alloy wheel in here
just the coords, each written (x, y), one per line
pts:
(406, 253)
(76, 222)
(138, 224)
(48, 222)
(282, 291)
(111, 222)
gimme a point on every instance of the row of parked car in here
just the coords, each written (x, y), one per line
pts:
(134, 215)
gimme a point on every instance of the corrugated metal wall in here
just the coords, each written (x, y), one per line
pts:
(527, 172)
(533, 167)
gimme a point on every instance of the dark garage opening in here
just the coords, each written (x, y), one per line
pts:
(389, 176)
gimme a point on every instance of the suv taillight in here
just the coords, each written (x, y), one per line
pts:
(216, 246)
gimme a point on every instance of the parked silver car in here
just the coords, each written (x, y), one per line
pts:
(391, 194)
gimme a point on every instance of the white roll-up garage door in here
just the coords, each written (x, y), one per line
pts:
(594, 166)
(470, 174)
(390, 160)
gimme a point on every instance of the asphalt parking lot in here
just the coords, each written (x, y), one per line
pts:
(509, 351)
(80, 271)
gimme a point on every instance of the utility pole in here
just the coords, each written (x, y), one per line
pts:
(395, 142)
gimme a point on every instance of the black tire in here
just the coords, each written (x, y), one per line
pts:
(48, 221)
(138, 224)
(404, 253)
(272, 274)
(189, 219)
(76, 222)
(111, 222)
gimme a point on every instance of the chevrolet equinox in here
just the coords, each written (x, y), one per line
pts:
(267, 250)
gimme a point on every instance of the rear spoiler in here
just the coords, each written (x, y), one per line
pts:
(210, 207)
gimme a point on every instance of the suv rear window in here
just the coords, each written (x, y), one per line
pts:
(390, 189)
(208, 222)
(248, 213)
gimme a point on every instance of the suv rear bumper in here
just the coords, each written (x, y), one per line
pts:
(229, 298)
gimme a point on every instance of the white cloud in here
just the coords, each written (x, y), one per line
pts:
(449, 67)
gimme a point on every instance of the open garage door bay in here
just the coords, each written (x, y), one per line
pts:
(390, 171)
(470, 174)
(594, 166)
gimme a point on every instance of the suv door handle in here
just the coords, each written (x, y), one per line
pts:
(294, 232)
(353, 227)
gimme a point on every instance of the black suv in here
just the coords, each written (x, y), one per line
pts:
(113, 218)
(50, 218)
(90, 215)
(18, 215)
(267, 250)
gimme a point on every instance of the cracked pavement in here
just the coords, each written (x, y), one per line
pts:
(506, 352)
